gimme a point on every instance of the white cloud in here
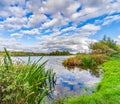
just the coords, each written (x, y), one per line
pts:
(57, 21)
(69, 29)
(17, 11)
(16, 20)
(34, 5)
(87, 30)
(73, 43)
(10, 44)
(15, 45)
(50, 23)
(16, 35)
(92, 3)
(90, 27)
(30, 32)
(4, 13)
(110, 19)
(72, 8)
(13, 23)
(61, 13)
(93, 9)
(53, 6)
(11, 27)
(35, 19)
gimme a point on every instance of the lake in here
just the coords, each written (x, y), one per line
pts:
(70, 82)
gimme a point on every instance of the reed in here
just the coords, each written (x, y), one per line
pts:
(24, 83)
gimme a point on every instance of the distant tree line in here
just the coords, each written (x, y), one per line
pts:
(60, 53)
(56, 53)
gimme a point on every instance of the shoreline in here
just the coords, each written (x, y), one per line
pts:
(108, 90)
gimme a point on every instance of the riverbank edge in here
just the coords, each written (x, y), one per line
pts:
(108, 90)
(86, 61)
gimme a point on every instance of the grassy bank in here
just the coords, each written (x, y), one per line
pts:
(108, 91)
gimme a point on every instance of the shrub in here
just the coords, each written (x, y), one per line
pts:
(22, 83)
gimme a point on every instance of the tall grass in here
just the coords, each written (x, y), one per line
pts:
(88, 62)
(85, 60)
(24, 83)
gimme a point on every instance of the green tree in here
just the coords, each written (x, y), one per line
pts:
(105, 46)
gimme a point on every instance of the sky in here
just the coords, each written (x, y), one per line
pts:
(50, 25)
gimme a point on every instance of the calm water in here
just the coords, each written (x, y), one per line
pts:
(70, 82)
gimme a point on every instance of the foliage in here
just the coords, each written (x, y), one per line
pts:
(110, 43)
(21, 53)
(85, 60)
(88, 62)
(22, 83)
(60, 53)
(59, 100)
(105, 46)
(72, 62)
(108, 91)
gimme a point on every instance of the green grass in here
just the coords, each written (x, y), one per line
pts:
(108, 90)
(24, 83)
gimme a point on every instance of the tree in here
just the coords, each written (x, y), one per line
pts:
(109, 42)
(105, 46)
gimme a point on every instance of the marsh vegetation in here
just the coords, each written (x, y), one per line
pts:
(22, 83)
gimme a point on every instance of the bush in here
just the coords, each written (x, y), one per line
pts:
(22, 83)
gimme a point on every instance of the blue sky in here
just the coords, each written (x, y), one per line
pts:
(49, 25)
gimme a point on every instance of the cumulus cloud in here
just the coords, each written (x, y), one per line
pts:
(90, 27)
(89, 9)
(92, 3)
(110, 19)
(16, 35)
(50, 23)
(13, 44)
(30, 32)
(36, 19)
(10, 44)
(53, 6)
(73, 43)
(19, 18)
(13, 23)
(17, 11)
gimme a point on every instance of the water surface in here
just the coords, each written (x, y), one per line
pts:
(70, 82)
